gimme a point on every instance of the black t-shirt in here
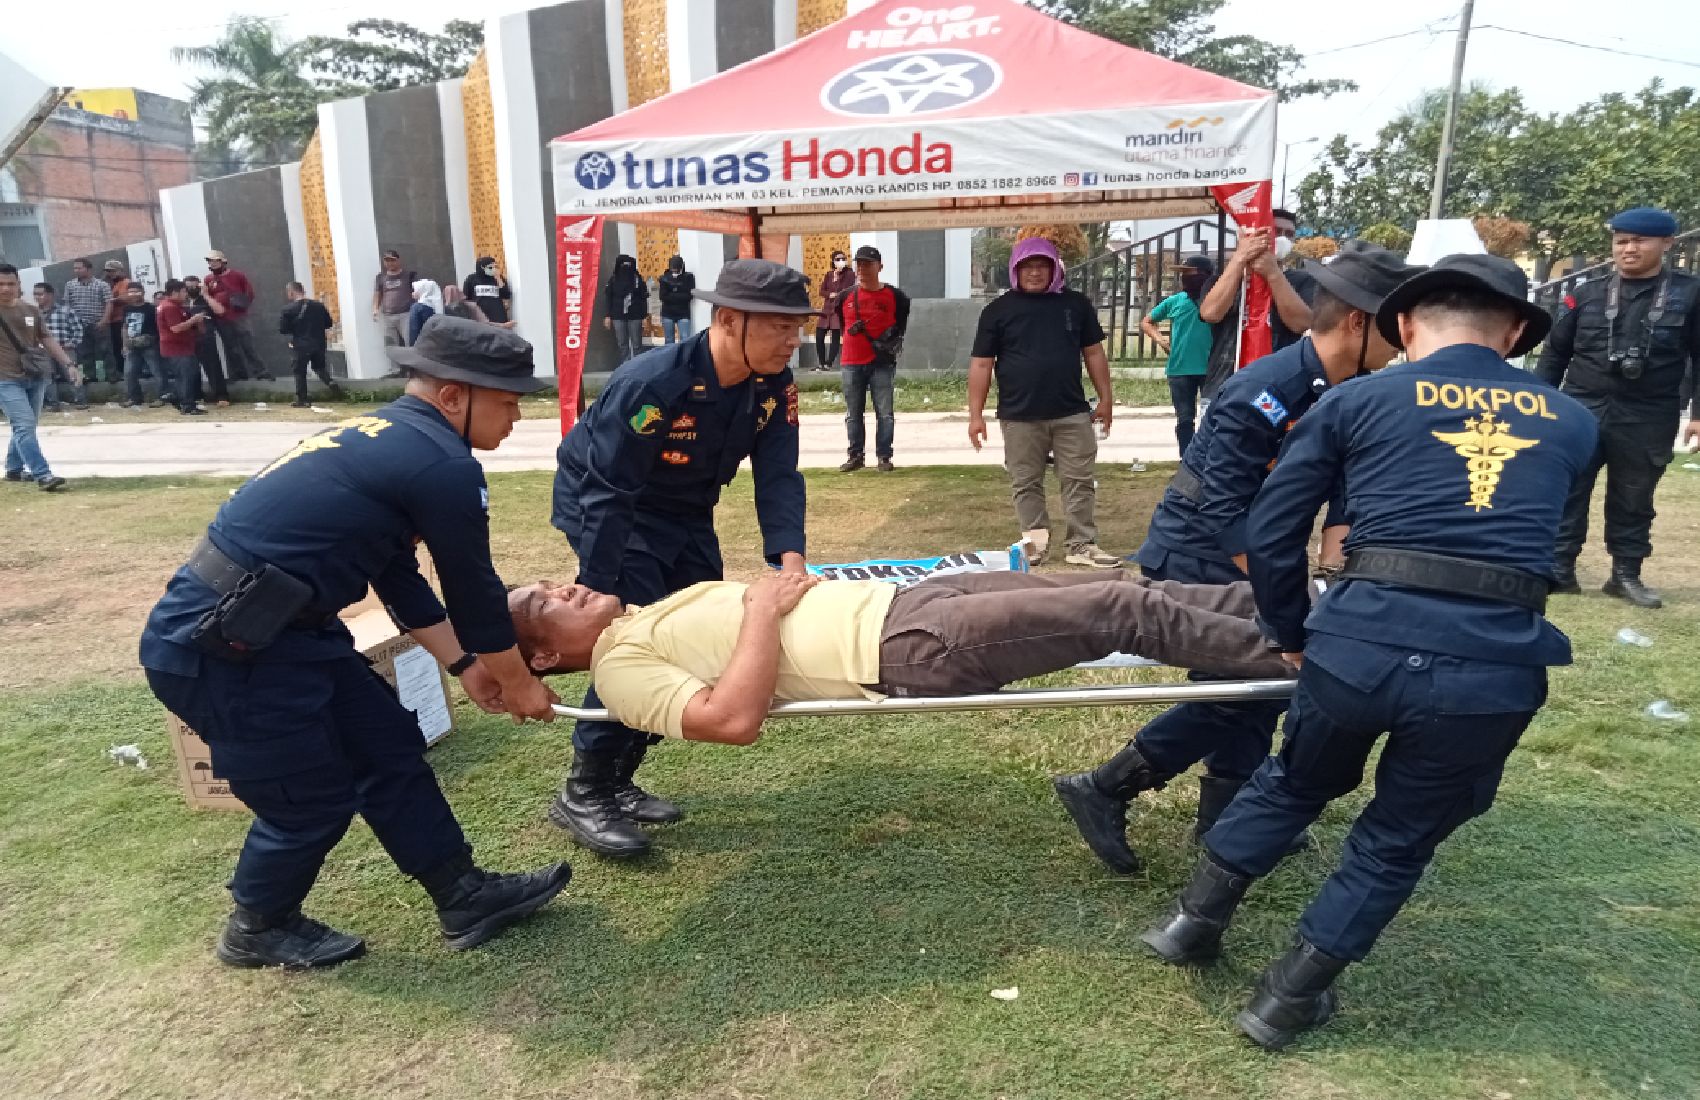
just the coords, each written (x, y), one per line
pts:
(139, 321)
(305, 321)
(204, 333)
(1036, 340)
(1224, 340)
(488, 295)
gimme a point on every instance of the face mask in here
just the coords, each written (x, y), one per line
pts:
(838, 265)
(1283, 247)
(1192, 284)
(490, 269)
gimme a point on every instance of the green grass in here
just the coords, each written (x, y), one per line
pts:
(830, 918)
(949, 393)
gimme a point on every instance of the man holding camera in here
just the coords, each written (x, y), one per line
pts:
(875, 317)
(1625, 347)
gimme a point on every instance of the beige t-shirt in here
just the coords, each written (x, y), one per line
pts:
(650, 662)
(25, 322)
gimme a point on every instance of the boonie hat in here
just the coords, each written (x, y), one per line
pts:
(1493, 275)
(760, 286)
(1361, 274)
(215, 254)
(869, 252)
(1644, 221)
(457, 350)
(113, 265)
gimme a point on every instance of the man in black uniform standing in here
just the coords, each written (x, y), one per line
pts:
(635, 492)
(246, 647)
(1455, 468)
(1624, 347)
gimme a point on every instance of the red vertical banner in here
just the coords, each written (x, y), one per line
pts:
(578, 251)
(1251, 205)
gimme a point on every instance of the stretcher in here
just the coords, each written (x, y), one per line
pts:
(1099, 695)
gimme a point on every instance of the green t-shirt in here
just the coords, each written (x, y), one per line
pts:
(1189, 336)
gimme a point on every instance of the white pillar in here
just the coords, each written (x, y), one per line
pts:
(958, 263)
(519, 179)
(451, 113)
(691, 57)
(295, 218)
(187, 238)
(346, 148)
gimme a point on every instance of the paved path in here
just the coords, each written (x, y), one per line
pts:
(241, 447)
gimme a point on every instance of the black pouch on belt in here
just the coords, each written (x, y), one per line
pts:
(251, 616)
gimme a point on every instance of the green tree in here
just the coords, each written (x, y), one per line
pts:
(382, 54)
(1184, 31)
(257, 102)
(1562, 174)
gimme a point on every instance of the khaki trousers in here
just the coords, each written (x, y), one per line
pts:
(1073, 443)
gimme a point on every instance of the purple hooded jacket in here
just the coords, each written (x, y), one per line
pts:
(1027, 249)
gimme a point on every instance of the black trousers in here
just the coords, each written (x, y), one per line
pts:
(304, 360)
(206, 354)
(1634, 457)
(827, 343)
(1183, 395)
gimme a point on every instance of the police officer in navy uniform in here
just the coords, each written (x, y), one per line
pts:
(1199, 534)
(1624, 347)
(246, 648)
(1455, 470)
(635, 491)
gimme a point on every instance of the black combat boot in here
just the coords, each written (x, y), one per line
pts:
(635, 802)
(1192, 932)
(1564, 581)
(475, 905)
(1098, 799)
(1294, 995)
(1214, 794)
(588, 807)
(291, 941)
(1626, 584)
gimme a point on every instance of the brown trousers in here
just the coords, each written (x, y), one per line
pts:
(976, 632)
(1073, 442)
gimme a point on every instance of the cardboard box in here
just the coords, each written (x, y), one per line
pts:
(403, 662)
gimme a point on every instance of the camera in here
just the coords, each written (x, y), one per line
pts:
(1631, 364)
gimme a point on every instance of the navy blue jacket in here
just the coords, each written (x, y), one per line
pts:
(662, 440)
(1460, 454)
(1235, 448)
(342, 510)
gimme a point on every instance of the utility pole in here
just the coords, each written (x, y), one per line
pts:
(1444, 161)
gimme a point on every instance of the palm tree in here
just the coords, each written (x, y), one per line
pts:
(257, 102)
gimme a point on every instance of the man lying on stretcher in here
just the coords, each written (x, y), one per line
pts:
(706, 663)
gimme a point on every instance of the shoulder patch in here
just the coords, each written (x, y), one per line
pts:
(645, 420)
(1271, 408)
(484, 497)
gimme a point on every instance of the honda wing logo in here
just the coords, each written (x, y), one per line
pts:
(594, 171)
(903, 84)
(579, 230)
(1244, 201)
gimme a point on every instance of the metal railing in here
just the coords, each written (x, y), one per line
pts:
(1124, 284)
(1684, 256)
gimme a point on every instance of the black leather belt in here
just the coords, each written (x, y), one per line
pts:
(222, 574)
(1186, 483)
(1440, 573)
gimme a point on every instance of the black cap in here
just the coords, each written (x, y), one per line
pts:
(1491, 275)
(1202, 264)
(1361, 274)
(869, 252)
(478, 354)
(760, 286)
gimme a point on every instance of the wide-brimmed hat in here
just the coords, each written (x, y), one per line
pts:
(1361, 274)
(457, 350)
(760, 286)
(215, 254)
(1491, 275)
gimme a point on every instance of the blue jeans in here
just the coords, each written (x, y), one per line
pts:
(21, 400)
(675, 329)
(135, 359)
(857, 382)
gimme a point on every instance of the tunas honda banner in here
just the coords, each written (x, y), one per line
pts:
(1196, 145)
(578, 251)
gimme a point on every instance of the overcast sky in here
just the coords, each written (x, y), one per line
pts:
(53, 41)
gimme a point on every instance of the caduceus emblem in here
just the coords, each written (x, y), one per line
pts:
(1487, 445)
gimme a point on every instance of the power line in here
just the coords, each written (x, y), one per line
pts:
(1590, 46)
(1430, 28)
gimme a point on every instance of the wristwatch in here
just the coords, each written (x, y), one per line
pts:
(462, 663)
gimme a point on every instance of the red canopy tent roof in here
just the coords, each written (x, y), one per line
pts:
(906, 115)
